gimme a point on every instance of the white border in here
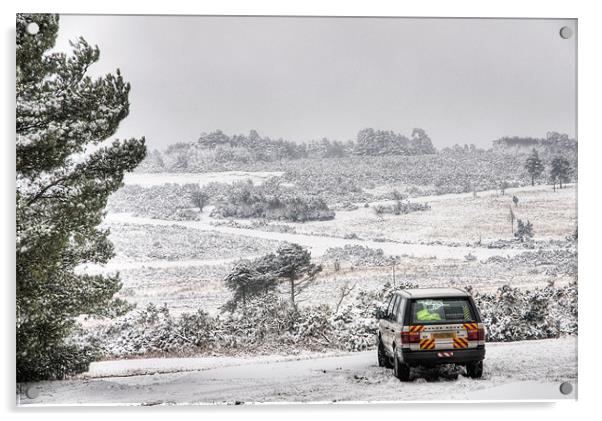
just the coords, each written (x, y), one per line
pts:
(589, 203)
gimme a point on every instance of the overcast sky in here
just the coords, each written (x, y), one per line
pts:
(462, 80)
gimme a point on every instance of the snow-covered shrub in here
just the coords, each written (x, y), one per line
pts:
(512, 314)
(560, 261)
(401, 208)
(154, 330)
(271, 201)
(162, 201)
(358, 255)
(524, 230)
(270, 324)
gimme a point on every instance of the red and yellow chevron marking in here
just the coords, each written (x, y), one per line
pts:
(427, 344)
(470, 326)
(460, 342)
(417, 328)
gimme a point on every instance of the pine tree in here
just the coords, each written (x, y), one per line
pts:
(560, 170)
(524, 230)
(249, 279)
(294, 266)
(62, 188)
(534, 166)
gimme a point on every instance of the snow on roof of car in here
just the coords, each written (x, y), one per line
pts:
(435, 292)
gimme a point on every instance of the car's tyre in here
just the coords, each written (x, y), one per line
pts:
(475, 369)
(401, 370)
(383, 359)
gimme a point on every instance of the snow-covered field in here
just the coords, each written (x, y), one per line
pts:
(520, 370)
(182, 263)
(462, 217)
(155, 179)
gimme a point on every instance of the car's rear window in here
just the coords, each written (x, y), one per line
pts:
(438, 310)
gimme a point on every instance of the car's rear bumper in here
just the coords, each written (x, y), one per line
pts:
(449, 356)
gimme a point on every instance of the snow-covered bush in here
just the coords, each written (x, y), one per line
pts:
(551, 262)
(401, 208)
(271, 201)
(270, 324)
(512, 314)
(358, 255)
(524, 230)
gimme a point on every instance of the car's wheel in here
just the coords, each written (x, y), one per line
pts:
(401, 370)
(474, 369)
(383, 359)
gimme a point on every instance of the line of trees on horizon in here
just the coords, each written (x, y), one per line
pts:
(217, 148)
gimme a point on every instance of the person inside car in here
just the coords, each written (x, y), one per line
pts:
(424, 314)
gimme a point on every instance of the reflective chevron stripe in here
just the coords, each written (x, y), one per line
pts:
(427, 344)
(460, 343)
(417, 328)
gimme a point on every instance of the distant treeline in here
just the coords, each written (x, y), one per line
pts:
(368, 142)
(554, 143)
(219, 151)
(219, 148)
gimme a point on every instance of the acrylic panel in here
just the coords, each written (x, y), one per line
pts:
(253, 209)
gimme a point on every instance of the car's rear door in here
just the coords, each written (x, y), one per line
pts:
(447, 323)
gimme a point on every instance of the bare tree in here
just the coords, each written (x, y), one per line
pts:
(503, 186)
(511, 218)
(379, 210)
(344, 292)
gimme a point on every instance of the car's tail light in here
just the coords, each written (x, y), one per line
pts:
(476, 334)
(410, 337)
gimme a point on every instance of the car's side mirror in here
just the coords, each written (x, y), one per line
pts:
(380, 313)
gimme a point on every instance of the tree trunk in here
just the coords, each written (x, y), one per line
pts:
(532, 180)
(244, 301)
(292, 281)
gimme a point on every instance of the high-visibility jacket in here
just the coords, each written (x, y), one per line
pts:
(424, 314)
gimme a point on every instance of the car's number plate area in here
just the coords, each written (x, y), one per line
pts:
(443, 335)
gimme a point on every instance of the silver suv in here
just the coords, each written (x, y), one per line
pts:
(428, 327)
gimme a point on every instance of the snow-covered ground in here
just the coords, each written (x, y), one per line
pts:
(483, 193)
(113, 266)
(157, 179)
(460, 218)
(319, 244)
(524, 370)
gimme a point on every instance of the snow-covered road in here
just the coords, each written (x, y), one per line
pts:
(520, 370)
